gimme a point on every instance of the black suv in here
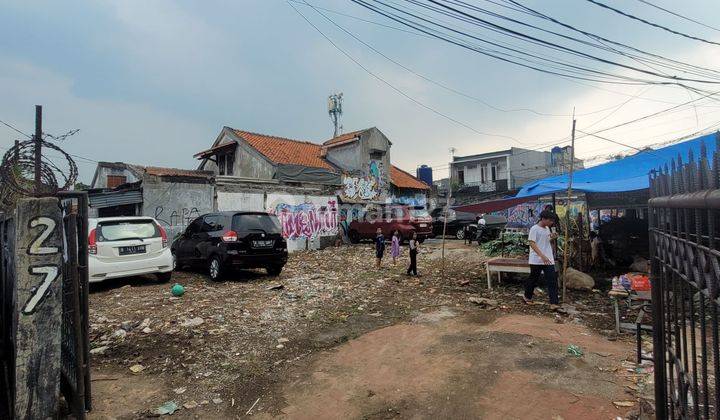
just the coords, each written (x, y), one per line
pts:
(231, 239)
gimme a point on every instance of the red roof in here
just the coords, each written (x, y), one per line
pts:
(343, 138)
(402, 179)
(287, 151)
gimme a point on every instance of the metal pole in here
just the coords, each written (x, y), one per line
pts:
(38, 149)
(447, 206)
(566, 247)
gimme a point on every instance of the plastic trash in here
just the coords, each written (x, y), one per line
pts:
(167, 408)
(178, 290)
(574, 350)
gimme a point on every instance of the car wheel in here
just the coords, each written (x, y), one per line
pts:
(174, 261)
(215, 268)
(354, 237)
(460, 234)
(274, 270)
(164, 277)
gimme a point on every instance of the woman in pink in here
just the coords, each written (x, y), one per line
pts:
(395, 251)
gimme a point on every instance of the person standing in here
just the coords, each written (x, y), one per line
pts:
(413, 248)
(395, 250)
(379, 247)
(542, 260)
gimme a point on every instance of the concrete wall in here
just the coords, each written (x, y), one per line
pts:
(408, 197)
(348, 157)
(369, 177)
(528, 165)
(240, 201)
(176, 204)
(308, 213)
(309, 222)
(248, 162)
(103, 172)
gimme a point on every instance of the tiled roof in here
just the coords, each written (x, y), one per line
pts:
(211, 151)
(186, 173)
(402, 179)
(342, 138)
(287, 151)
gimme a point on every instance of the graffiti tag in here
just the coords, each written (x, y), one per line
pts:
(306, 220)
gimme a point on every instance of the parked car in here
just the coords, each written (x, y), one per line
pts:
(390, 218)
(457, 221)
(127, 246)
(225, 240)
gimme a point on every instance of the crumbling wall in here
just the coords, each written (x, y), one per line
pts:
(175, 203)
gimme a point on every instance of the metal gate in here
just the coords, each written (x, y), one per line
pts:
(684, 210)
(75, 374)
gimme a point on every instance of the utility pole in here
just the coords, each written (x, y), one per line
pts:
(38, 149)
(566, 247)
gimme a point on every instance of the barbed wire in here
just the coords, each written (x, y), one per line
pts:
(17, 169)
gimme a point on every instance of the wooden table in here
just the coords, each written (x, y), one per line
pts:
(505, 265)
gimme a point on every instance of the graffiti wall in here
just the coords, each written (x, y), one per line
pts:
(308, 222)
(527, 214)
(369, 186)
(175, 204)
(417, 200)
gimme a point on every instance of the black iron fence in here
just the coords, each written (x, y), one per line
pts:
(684, 239)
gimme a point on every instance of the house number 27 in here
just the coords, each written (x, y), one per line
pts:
(49, 272)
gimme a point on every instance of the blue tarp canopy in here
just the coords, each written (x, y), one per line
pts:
(628, 174)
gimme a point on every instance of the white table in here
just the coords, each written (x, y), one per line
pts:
(505, 265)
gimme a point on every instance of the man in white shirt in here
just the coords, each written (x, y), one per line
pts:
(541, 259)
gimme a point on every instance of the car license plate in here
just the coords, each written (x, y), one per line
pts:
(263, 244)
(423, 224)
(131, 250)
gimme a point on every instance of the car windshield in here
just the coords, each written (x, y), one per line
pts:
(264, 222)
(126, 229)
(419, 213)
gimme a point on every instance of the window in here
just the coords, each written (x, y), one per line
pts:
(493, 172)
(483, 174)
(115, 180)
(229, 163)
(256, 222)
(461, 177)
(212, 223)
(127, 229)
(376, 154)
(221, 164)
(195, 226)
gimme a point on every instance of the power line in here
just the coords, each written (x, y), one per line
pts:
(10, 126)
(393, 87)
(440, 84)
(665, 28)
(679, 15)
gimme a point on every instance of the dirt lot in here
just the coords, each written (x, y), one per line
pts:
(332, 337)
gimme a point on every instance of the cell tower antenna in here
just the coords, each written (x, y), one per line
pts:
(335, 111)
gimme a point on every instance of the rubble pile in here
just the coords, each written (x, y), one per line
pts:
(225, 341)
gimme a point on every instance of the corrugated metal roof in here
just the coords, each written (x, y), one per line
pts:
(115, 198)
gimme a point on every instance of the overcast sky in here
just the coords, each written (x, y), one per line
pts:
(153, 82)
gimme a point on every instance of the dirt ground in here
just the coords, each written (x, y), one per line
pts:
(332, 337)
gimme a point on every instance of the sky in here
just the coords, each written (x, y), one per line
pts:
(154, 82)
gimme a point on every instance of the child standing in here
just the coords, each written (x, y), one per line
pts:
(413, 247)
(379, 247)
(395, 250)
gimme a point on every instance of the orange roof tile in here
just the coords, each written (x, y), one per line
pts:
(402, 179)
(342, 138)
(287, 151)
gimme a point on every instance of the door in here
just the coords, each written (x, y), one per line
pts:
(186, 249)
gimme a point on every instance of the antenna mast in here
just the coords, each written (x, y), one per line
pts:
(335, 111)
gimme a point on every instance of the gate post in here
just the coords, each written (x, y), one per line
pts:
(38, 307)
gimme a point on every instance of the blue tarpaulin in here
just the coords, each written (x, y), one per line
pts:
(628, 174)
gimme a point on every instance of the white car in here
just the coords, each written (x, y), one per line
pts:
(128, 246)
